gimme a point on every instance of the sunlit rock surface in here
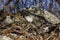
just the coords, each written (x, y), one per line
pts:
(51, 18)
(29, 18)
(5, 38)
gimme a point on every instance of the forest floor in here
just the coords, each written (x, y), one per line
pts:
(18, 28)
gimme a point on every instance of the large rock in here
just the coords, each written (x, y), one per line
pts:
(48, 16)
(51, 18)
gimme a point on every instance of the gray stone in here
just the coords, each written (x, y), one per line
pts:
(8, 20)
(29, 18)
(51, 18)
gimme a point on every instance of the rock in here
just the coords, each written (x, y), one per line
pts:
(36, 21)
(51, 18)
(8, 20)
(15, 19)
(29, 18)
(48, 16)
(46, 29)
(14, 35)
(5, 38)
